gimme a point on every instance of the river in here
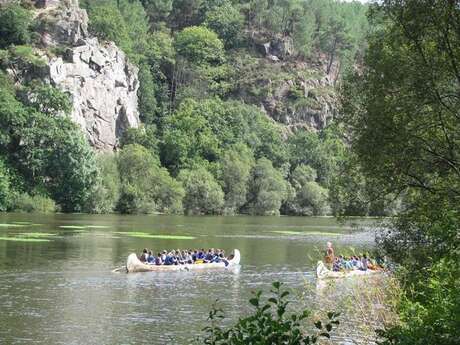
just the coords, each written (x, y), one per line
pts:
(56, 284)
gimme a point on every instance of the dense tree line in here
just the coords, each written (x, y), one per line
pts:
(201, 149)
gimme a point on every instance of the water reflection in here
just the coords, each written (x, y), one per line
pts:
(63, 291)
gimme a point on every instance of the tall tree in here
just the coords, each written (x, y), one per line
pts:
(403, 112)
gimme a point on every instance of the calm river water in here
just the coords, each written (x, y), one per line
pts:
(60, 289)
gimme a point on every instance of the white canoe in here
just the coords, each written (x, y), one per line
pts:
(133, 264)
(322, 272)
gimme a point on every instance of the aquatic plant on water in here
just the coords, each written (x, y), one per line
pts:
(159, 236)
(36, 234)
(23, 239)
(10, 225)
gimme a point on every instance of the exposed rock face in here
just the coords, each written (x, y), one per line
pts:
(303, 102)
(275, 49)
(296, 92)
(103, 87)
(101, 81)
(62, 23)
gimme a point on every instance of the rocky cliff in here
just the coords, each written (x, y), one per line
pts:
(100, 80)
(295, 92)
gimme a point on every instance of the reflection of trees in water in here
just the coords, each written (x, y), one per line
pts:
(365, 303)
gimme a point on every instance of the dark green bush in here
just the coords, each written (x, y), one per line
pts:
(14, 25)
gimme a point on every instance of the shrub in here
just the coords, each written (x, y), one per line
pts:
(72, 171)
(14, 25)
(269, 324)
(199, 45)
(146, 187)
(107, 189)
(133, 201)
(310, 198)
(5, 187)
(37, 203)
(430, 309)
(268, 189)
(22, 57)
(107, 23)
(235, 166)
(227, 22)
(203, 195)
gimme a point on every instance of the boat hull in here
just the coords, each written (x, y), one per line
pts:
(133, 265)
(322, 272)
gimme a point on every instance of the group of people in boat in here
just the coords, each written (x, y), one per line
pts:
(354, 262)
(182, 257)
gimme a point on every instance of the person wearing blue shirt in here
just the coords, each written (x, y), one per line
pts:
(210, 256)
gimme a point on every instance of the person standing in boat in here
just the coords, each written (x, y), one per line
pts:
(329, 257)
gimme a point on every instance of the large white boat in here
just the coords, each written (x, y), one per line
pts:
(133, 264)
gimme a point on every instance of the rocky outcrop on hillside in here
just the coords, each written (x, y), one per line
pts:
(290, 90)
(303, 102)
(100, 80)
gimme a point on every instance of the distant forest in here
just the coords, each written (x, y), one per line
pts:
(205, 146)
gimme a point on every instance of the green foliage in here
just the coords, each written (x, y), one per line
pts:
(71, 171)
(136, 166)
(137, 24)
(201, 130)
(185, 13)
(37, 203)
(303, 174)
(146, 96)
(310, 198)
(14, 25)
(12, 116)
(107, 23)
(48, 153)
(106, 191)
(335, 28)
(203, 195)
(188, 136)
(313, 199)
(21, 57)
(5, 187)
(431, 311)
(401, 113)
(199, 45)
(303, 34)
(185, 49)
(157, 10)
(267, 190)
(324, 152)
(348, 190)
(161, 51)
(47, 99)
(146, 187)
(227, 22)
(146, 136)
(235, 170)
(268, 324)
